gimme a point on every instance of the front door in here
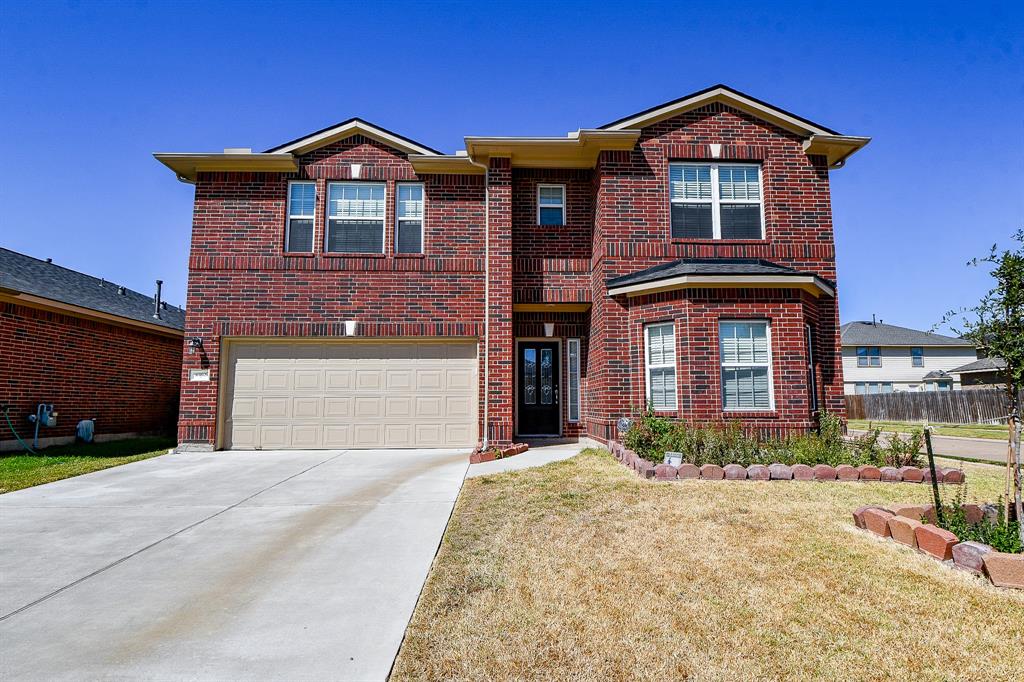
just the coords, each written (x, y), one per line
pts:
(538, 399)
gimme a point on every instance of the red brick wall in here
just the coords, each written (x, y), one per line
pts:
(124, 378)
(241, 283)
(632, 231)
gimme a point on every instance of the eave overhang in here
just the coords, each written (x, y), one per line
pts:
(48, 304)
(458, 164)
(836, 148)
(188, 165)
(346, 129)
(812, 284)
(576, 150)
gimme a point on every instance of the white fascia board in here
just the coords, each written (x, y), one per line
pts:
(806, 282)
(344, 130)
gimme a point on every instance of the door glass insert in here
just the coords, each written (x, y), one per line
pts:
(546, 389)
(530, 376)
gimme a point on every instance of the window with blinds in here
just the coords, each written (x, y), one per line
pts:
(551, 204)
(715, 201)
(355, 217)
(744, 349)
(409, 218)
(573, 376)
(660, 357)
(298, 236)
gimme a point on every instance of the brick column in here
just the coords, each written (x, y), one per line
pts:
(501, 350)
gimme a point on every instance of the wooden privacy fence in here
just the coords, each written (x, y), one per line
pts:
(954, 407)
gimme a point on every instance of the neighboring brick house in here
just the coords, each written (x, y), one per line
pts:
(682, 257)
(93, 349)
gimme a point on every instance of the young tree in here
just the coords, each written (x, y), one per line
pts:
(996, 325)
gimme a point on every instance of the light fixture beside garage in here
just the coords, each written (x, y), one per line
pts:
(351, 327)
(549, 329)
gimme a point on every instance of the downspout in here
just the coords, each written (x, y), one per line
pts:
(487, 299)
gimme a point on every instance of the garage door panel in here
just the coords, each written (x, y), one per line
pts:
(351, 394)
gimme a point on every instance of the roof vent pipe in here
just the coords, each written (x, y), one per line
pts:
(156, 300)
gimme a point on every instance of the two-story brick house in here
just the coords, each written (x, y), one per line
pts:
(354, 288)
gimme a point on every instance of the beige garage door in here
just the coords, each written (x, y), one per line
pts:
(350, 394)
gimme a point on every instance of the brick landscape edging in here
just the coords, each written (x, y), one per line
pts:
(780, 472)
(905, 524)
(489, 455)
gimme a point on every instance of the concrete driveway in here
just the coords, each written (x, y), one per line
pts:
(226, 566)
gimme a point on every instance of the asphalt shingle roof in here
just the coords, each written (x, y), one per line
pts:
(29, 275)
(981, 365)
(878, 334)
(705, 266)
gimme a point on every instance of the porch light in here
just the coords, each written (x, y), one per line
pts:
(549, 329)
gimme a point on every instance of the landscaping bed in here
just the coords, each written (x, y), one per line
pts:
(918, 526)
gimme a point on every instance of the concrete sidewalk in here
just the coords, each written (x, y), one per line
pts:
(226, 566)
(541, 452)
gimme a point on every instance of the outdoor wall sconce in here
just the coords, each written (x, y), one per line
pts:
(549, 329)
(194, 343)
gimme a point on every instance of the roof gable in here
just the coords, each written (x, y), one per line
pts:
(727, 95)
(346, 129)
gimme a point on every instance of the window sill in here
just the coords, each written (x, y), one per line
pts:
(298, 254)
(335, 254)
(410, 255)
(750, 414)
(711, 240)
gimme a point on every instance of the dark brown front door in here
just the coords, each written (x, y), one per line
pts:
(538, 398)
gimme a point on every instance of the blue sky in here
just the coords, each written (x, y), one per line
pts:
(89, 90)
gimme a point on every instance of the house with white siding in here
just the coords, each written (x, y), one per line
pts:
(883, 358)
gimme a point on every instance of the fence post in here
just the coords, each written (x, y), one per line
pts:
(935, 482)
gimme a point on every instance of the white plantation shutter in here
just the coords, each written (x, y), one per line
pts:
(746, 365)
(661, 366)
(689, 182)
(355, 213)
(739, 182)
(356, 201)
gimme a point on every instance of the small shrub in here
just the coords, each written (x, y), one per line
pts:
(904, 452)
(644, 437)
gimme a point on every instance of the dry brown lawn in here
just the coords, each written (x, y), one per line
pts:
(581, 571)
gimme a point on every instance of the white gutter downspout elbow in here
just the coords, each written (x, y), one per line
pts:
(487, 298)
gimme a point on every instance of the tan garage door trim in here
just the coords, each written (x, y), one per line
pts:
(227, 344)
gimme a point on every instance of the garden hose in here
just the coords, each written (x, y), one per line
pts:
(7, 416)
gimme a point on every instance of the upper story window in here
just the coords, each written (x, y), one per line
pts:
(716, 201)
(409, 218)
(917, 357)
(355, 217)
(746, 358)
(301, 207)
(551, 204)
(660, 356)
(869, 356)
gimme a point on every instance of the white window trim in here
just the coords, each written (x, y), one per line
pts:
(422, 219)
(716, 201)
(562, 206)
(868, 356)
(328, 216)
(289, 216)
(569, 393)
(722, 364)
(648, 366)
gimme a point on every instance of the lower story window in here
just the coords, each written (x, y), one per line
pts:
(660, 357)
(573, 372)
(872, 387)
(746, 365)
